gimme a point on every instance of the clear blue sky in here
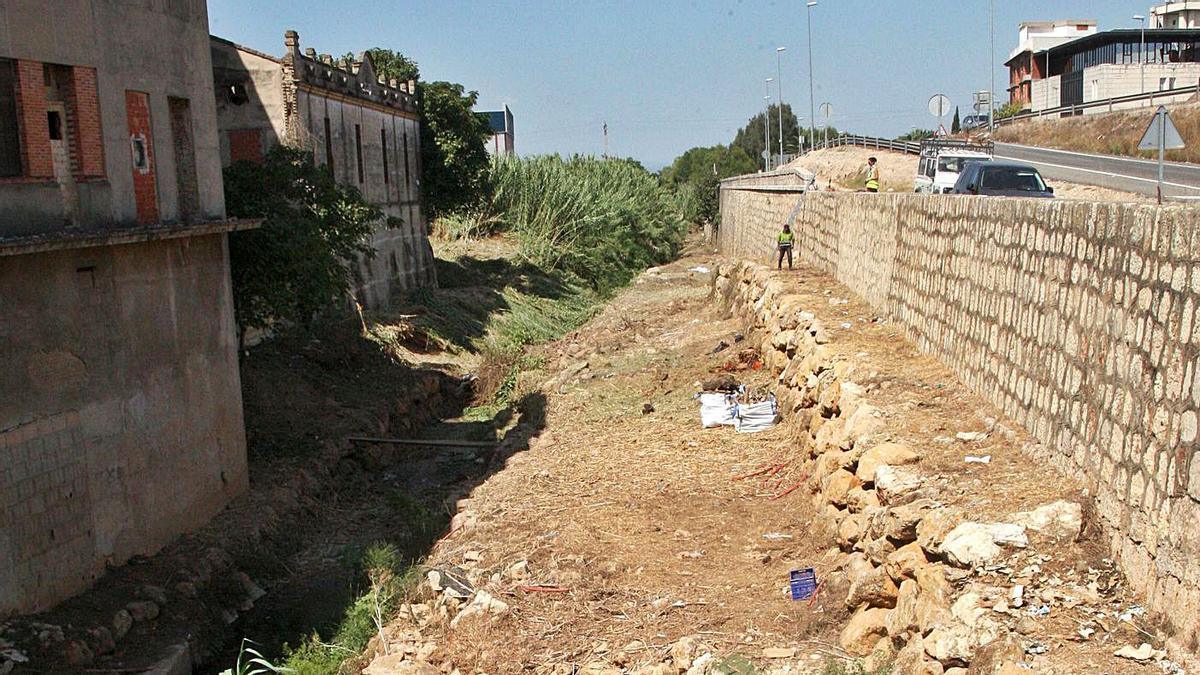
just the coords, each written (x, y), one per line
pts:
(671, 74)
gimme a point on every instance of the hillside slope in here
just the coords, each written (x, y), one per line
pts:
(1115, 133)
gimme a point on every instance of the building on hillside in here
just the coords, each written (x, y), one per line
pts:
(1096, 66)
(501, 123)
(1176, 15)
(121, 413)
(1035, 37)
(367, 133)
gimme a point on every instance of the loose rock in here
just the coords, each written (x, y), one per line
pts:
(863, 631)
(1061, 520)
(971, 544)
(894, 454)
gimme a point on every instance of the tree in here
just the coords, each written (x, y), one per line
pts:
(454, 159)
(956, 125)
(295, 265)
(696, 174)
(392, 65)
(750, 137)
(916, 135)
(454, 155)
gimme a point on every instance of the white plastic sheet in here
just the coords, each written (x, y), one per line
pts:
(717, 409)
(755, 417)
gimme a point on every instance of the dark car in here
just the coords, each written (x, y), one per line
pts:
(1001, 179)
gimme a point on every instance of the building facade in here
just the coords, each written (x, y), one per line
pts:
(121, 419)
(1056, 70)
(1176, 15)
(365, 131)
(503, 140)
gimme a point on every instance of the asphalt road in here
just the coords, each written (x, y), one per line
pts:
(1117, 173)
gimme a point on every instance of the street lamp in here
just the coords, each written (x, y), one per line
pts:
(1142, 53)
(767, 126)
(992, 72)
(812, 101)
(779, 83)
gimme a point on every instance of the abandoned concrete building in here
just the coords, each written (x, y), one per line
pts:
(365, 131)
(121, 414)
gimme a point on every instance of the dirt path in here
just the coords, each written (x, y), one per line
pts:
(623, 538)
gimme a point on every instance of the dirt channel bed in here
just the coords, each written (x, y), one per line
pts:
(625, 536)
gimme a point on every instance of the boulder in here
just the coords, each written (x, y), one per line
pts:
(122, 621)
(850, 530)
(900, 522)
(395, 664)
(862, 424)
(881, 656)
(934, 527)
(902, 619)
(143, 610)
(995, 656)
(482, 604)
(971, 544)
(878, 550)
(893, 454)
(1060, 520)
(863, 631)
(956, 643)
(685, 651)
(873, 588)
(894, 483)
(859, 500)
(838, 485)
(933, 597)
(904, 562)
(911, 660)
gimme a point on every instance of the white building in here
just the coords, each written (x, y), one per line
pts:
(1176, 15)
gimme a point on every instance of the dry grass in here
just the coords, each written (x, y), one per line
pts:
(1115, 133)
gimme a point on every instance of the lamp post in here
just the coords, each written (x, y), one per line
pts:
(779, 84)
(812, 101)
(1142, 53)
(767, 126)
(992, 71)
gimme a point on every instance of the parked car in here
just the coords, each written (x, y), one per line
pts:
(942, 160)
(1001, 179)
(975, 121)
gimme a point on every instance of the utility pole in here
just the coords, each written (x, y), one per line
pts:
(992, 72)
(767, 126)
(1142, 53)
(779, 83)
(812, 99)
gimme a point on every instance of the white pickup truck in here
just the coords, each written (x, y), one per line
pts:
(942, 160)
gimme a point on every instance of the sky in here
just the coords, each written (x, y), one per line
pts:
(668, 75)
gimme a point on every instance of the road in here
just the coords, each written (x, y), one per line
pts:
(1118, 173)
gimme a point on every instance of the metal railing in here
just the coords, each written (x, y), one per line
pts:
(1078, 108)
(907, 147)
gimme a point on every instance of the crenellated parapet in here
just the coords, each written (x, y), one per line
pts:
(356, 79)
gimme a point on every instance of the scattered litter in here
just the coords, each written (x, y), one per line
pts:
(838, 301)
(778, 653)
(1036, 648)
(451, 581)
(647, 408)
(1141, 653)
(802, 583)
(722, 383)
(738, 337)
(1044, 610)
(699, 268)
(1017, 595)
(1086, 632)
(694, 555)
(776, 536)
(721, 346)
(544, 589)
(1127, 615)
(980, 459)
(968, 436)
(847, 324)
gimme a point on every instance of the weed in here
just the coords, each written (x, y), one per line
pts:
(251, 662)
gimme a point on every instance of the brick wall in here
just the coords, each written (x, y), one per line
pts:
(145, 187)
(88, 140)
(31, 111)
(1076, 319)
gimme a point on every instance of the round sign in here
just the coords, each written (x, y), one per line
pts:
(939, 105)
(826, 110)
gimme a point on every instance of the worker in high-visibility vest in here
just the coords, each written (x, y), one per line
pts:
(872, 175)
(786, 239)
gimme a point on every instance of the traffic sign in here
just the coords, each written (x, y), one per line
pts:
(826, 111)
(939, 105)
(1161, 131)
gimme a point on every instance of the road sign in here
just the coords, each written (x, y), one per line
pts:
(1161, 131)
(939, 105)
(1162, 135)
(826, 111)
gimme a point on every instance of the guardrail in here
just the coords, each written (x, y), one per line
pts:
(907, 147)
(1078, 108)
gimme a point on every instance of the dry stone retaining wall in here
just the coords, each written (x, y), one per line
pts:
(1077, 319)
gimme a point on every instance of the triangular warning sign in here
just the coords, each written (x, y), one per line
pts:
(1154, 135)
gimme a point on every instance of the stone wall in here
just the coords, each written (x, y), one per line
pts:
(125, 427)
(1076, 319)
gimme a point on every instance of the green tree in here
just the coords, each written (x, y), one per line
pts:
(454, 159)
(392, 65)
(295, 265)
(916, 135)
(750, 137)
(956, 125)
(696, 174)
(1008, 110)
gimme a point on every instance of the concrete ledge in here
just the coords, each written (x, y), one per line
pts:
(63, 240)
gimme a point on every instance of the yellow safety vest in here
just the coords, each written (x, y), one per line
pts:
(873, 177)
(786, 237)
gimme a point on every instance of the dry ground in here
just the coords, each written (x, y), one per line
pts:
(638, 531)
(843, 168)
(1116, 133)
